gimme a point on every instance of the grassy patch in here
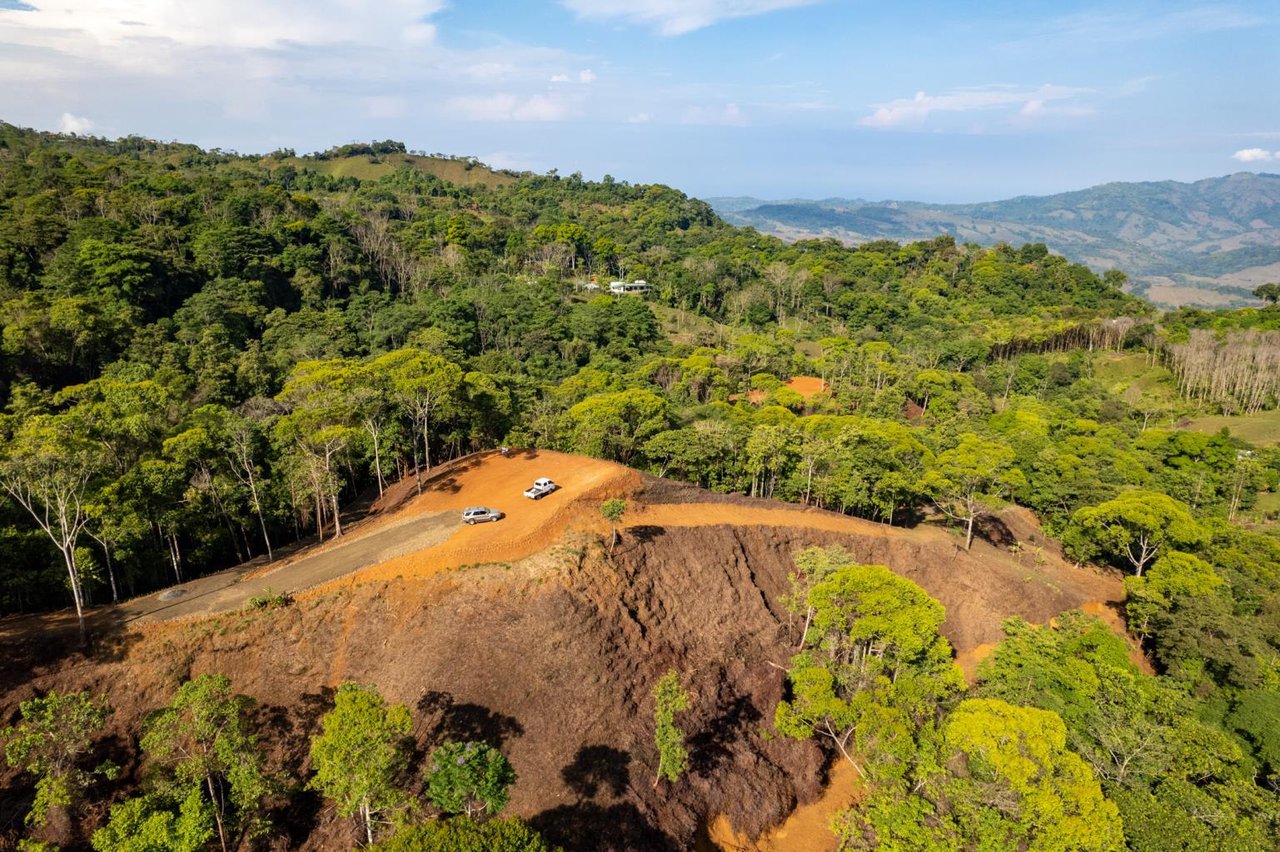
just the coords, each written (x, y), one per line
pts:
(1262, 429)
(270, 600)
(1121, 371)
(364, 167)
(1267, 505)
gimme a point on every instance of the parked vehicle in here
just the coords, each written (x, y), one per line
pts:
(541, 488)
(480, 514)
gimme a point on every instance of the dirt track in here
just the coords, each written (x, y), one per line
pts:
(418, 535)
(231, 590)
(528, 527)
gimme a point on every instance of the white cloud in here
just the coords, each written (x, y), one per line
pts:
(559, 78)
(1254, 155)
(729, 114)
(638, 118)
(516, 161)
(120, 26)
(490, 70)
(76, 124)
(1031, 103)
(586, 75)
(1099, 27)
(504, 106)
(676, 17)
(277, 70)
(497, 107)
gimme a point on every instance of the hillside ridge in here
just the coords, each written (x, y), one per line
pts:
(1207, 242)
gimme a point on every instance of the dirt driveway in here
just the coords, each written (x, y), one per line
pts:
(232, 589)
(417, 534)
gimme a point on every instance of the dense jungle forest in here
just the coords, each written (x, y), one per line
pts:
(207, 356)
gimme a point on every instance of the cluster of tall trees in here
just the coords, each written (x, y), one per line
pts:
(1061, 743)
(208, 782)
(1241, 372)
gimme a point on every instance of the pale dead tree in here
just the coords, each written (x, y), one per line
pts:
(394, 264)
(737, 303)
(241, 443)
(1114, 332)
(551, 259)
(1239, 372)
(47, 470)
(781, 280)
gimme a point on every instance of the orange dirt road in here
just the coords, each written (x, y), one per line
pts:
(528, 526)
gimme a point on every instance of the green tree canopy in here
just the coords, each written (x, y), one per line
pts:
(471, 778)
(51, 742)
(969, 475)
(872, 659)
(669, 698)
(361, 754)
(156, 822)
(1017, 785)
(1134, 528)
(203, 739)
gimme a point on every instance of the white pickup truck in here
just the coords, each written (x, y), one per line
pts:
(540, 488)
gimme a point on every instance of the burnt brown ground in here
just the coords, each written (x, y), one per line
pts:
(526, 633)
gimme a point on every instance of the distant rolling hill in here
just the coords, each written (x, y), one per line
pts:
(1204, 243)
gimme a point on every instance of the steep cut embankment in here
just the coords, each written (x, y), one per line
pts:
(554, 656)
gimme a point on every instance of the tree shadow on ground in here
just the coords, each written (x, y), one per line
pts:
(33, 644)
(596, 769)
(643, 533)
(288, 730)
(589, 827)
(711, 747)
(446, 719)
(993, 529)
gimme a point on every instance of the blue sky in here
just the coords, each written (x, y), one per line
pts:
(933, 101)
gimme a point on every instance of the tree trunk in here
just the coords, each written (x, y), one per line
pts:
(68, 554)
(426, 444)
(111, 575)
(262, 521)
(217, 812)
(377, 461)
(174, 556)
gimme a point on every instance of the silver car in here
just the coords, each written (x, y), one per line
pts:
(480, 514)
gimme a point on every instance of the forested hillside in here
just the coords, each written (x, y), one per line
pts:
(1210, 242)
(206, 355)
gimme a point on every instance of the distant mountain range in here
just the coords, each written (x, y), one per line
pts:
(1205, 243)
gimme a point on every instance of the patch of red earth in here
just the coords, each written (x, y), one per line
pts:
(527, 526)
(807, 386)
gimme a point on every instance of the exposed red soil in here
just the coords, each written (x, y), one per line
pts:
(807, 386)
(528, 526)
(550, 648)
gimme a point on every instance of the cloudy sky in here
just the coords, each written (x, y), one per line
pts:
(936, 101)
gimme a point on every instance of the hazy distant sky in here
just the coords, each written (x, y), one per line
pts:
(936, 101)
